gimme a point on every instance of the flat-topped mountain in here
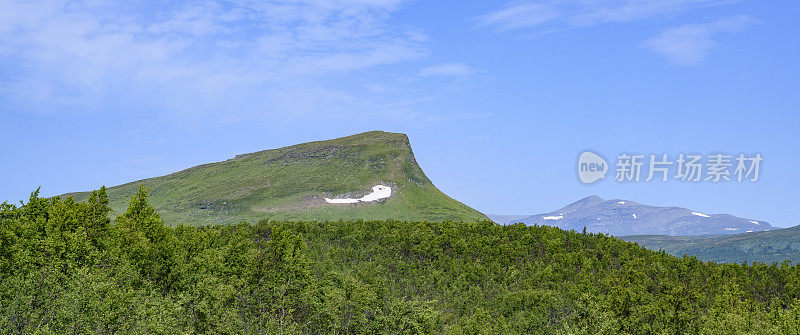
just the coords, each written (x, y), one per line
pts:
(624, 217)
(372, 175)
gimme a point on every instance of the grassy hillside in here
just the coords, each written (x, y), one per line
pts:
(290, 184)
(767, 246)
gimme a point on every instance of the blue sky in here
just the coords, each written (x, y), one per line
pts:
(499, 98)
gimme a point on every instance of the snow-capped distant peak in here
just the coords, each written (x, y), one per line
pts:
(620, 217)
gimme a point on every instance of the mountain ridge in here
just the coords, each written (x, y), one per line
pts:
(775, 245)
(621, 217)
(291, 183)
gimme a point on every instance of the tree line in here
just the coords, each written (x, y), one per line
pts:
(68, 267)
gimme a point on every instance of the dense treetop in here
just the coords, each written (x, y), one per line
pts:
(66, 267)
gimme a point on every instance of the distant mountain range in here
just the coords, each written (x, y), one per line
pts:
(369, 176)
(624, 217)
(374, 176)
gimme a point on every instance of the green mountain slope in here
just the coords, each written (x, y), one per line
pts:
(291, 183)
(765, 246)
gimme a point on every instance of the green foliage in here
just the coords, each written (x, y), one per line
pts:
(775, 245)
(66, 268)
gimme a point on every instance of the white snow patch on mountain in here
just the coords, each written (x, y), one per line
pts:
(756, 222)
(553, 217)
(731, 228)
(378, 192)
(701, 214)
(342, 201)
(621, 202)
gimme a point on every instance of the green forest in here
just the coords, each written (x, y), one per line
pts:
(67, 268)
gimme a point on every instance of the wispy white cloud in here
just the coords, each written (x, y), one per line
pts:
(690, 44)
(447, 70)
(521, 15)
(193, 57)
(550, 15)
